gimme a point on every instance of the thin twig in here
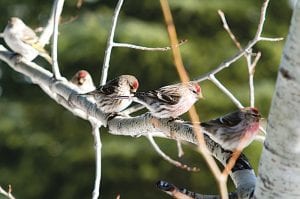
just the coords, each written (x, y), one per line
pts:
(126, 45)
(97, 146)
(226, 91)
(168, 158)
(79, 3)
(55, 67)
(110, 43)
(256, 39)
(192, 112)
(7, 193)
(248, 55)
(251, 70)
(179, 148)
(235, 155)
(48, 30)
(226, 27)
(271, 39)
(174, 41)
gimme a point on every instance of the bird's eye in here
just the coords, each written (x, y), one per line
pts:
(255, 115)
(197, 89)
(134, 85)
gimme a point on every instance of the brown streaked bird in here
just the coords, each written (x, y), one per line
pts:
(106, 95)
(169, 101)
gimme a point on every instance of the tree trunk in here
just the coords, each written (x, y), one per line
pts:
(279, 168)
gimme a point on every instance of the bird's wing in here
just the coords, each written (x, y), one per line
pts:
(228, 120)
(164, 96)
(29, 37)
(107, 89)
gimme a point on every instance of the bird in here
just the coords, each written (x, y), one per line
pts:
(83, 81)
(105, 95)
(22, 40)
(235, 130)
(169, 101)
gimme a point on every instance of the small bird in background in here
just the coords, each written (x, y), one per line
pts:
(105, 95)
(22, 40)
(234, 130)
(83, 81)
(169, 101)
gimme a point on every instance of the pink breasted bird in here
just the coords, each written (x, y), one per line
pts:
(234, 130)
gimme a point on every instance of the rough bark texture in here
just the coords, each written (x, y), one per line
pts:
(279, 169)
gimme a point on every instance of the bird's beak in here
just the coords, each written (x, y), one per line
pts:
(81, 80)
(200, 96)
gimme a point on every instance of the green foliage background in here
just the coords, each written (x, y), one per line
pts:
(46, 152)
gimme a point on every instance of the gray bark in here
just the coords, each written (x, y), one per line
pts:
(279, 168)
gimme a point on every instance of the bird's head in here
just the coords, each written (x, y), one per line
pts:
(253, 113)
(15, 22)
(81, 76)
(132, 82)
(195, 88)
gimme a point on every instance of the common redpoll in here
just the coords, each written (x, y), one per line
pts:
(170, 101)
(235, 130)
(105, 96)
(23, 40)
(83, 81)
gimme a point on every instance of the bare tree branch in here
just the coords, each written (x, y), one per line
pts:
(55, 68)
(243, 175)
(256, 39)
(168, 158)
(7, 193)
(48, 30)
(110, 43)
(98, 157)
(126, 45)
(185, 78)
(226, 91)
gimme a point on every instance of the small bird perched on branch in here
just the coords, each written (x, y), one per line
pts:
(234, 130)
(83, 80)
(22, 40)
(169, 101)
(105, 96)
